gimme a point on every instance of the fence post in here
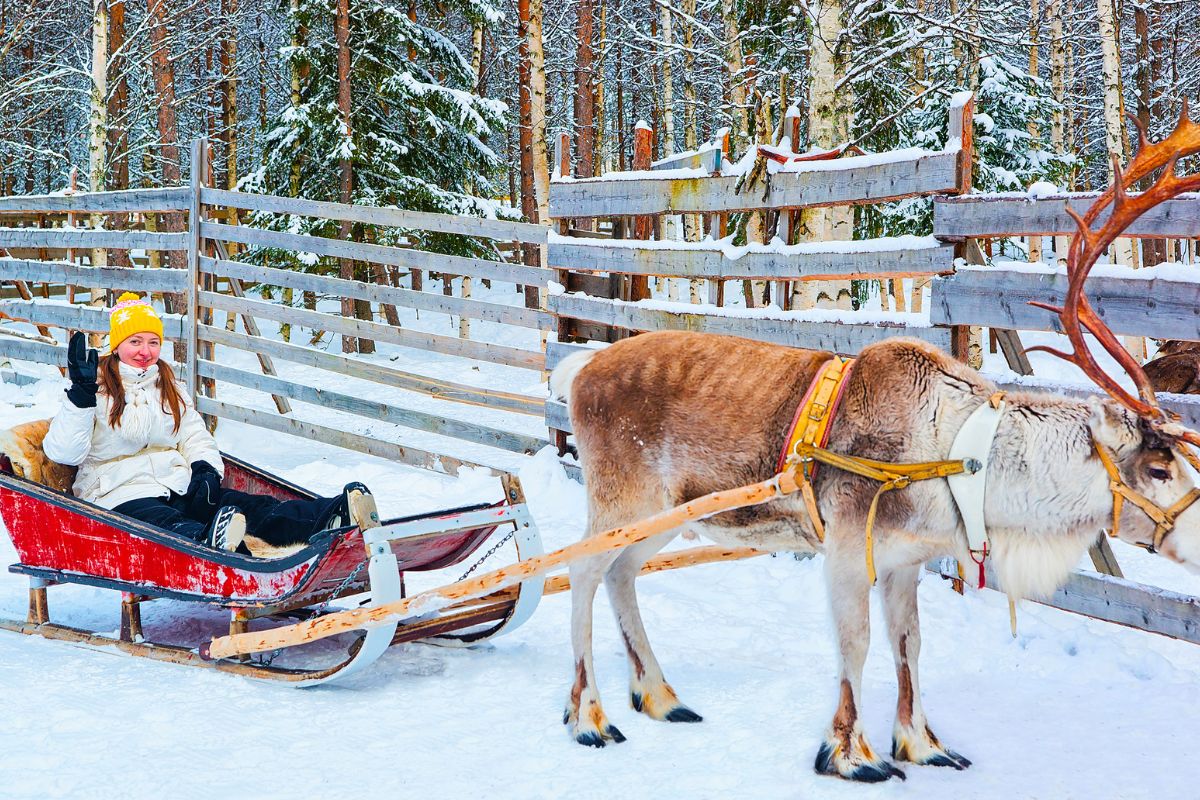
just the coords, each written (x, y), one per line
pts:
(643, 140)
(199, 148)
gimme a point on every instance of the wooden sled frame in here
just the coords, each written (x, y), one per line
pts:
(388, 551)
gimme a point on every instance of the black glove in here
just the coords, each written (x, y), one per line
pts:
(81, 368)
(204, 491)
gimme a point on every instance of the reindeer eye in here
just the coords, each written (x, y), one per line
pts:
(1159, 474)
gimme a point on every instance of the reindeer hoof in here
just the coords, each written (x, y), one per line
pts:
(927, 751)
(661, 703)
(831, 762)
(597, 739)
(683, 714)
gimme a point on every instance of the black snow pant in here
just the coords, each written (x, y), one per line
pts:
(277, 522)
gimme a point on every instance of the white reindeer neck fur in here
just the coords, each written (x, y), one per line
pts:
(1047, 494)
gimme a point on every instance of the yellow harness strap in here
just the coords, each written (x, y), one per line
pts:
(811, 427)
(890, 476)
(1163, 518)
(804, 449)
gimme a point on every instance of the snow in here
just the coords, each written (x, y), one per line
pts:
(746, 163)
(1040, 189)
(1071, 708)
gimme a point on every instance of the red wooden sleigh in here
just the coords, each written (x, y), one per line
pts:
(61, 539)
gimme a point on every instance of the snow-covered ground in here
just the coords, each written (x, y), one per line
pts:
(1071, 708)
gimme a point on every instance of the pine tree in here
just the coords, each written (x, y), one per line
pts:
(417, 128)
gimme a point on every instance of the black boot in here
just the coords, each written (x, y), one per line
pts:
(356, 507)
(228, 529)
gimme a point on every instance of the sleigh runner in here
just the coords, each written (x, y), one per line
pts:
(63, 540)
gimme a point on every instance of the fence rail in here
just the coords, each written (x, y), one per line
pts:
(377, 254)
(424, 301)
(78, 318)
(900, 257)
(794, 331)
(358, 368)
(503, 230)
(375, 331)
(1161, 307)
(129, 278)
(173, 198)
(84, 239)
(992, 217)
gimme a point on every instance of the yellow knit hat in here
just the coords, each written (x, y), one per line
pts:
(132, 315)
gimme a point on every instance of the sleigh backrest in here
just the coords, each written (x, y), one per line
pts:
(21, 455)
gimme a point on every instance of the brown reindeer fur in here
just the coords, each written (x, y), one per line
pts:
(666, 417)
(23, 446)
(1176, 368)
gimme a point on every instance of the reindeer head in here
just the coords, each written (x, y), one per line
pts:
(1145, 451)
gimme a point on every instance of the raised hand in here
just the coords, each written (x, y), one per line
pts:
(81, 368)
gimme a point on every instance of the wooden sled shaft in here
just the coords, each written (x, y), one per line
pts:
(437, 599)
(676, 559)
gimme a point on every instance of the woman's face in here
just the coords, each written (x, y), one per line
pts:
(140, 351)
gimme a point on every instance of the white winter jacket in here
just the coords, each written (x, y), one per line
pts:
(142, 457)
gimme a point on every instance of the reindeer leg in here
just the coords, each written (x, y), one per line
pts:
(912, 739)
(649, 691)
(584, 716)
(845, 751)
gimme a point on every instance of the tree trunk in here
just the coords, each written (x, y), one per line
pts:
(118, 130)
(585, 98)
(620, 123)
(733, 74)
(1154, 251)
(346, 164)
(691, 139)
(98, 122)
(529, 207)
(229, 98)
(1058, 70)
(828, 126)
(1035, 26)
(529, 43)
(668, 84)
(163, 70)
(1114, 135)
(598, 94)
(229, 106)
(537, 112)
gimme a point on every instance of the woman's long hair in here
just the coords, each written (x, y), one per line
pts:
(109, 375)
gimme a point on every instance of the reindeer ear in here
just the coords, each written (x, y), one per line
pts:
(1113, 426)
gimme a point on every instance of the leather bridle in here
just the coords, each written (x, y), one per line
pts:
(1164, 519)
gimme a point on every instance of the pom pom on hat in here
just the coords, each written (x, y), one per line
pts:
(132, 315)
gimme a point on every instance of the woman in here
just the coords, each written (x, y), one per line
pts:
(143, 451)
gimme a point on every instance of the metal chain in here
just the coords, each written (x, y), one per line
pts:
(491, 551)
(266, 660)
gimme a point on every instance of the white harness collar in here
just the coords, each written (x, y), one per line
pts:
(974, 442)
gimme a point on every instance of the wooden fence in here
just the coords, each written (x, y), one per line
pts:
(604, 297)
(483, 423)
(966, 293)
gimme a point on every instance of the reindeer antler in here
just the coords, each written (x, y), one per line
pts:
(1087, 246)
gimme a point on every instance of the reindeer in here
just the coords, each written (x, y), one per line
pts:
(663, 418)
(1175, 368)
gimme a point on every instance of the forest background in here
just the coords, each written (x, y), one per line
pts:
(450, 105)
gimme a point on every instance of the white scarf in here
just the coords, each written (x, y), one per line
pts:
(143, 403)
